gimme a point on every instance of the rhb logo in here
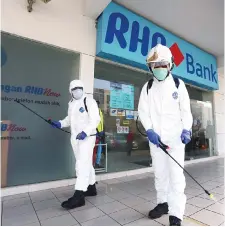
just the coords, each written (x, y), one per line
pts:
(129, 34)
(120, 33)
(30, 90)
(12, 128)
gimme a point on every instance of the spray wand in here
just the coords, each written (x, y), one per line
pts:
(165, 148)
(49, 121)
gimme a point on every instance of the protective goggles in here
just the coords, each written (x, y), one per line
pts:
(73, 89)
(160, 64)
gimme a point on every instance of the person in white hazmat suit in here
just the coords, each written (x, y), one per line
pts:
(83, 124)
(165, 113)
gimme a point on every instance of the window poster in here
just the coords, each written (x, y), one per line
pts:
(122, 129)
(113, 112)
(129, 114)
(121, 96)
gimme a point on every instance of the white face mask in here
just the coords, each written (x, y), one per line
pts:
(77, 94)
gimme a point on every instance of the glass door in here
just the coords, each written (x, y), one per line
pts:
(203, 132)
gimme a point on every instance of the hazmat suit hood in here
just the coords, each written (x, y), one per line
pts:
(76, 84)
(160, 62)
(159, 53)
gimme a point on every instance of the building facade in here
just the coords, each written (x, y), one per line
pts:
(105, 45)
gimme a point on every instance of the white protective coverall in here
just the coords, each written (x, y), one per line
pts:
(167, 116)
(79, 120)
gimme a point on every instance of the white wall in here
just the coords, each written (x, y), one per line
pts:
(60, 23)
(219, 107)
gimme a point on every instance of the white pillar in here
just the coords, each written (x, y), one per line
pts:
(219, 111)
(86, 72)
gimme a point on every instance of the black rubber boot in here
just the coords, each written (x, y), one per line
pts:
(76, 201)
(159, 211)
(174, 221)
(91, 191)
(97, 166)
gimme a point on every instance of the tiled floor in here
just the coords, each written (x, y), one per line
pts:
(122, 201)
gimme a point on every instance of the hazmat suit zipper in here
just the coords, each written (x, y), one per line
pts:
(161, 107)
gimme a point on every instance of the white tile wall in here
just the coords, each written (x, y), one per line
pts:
(221, 85)
(221, 144)
(219, 108)
(220, 123)
(219, 103)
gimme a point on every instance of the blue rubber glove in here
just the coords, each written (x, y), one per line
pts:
(56, 124)
(81, 136)
(101, 133)
(185, 136)
(153, 137)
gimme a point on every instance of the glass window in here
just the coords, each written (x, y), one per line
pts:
(128, 151)
(203, 130)
(39, 76)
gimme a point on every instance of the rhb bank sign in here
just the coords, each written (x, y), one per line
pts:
(33, 90)
(126, 37)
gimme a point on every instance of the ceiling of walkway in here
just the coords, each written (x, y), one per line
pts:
(200, 22)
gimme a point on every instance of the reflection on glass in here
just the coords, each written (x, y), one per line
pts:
(130, 150)
(202, 143)
(31, 150)
(127, 149)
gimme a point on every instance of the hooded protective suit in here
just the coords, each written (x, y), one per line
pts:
(166, 110)
(79, 120)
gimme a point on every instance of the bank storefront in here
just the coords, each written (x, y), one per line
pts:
(38, 76)
(123, 42)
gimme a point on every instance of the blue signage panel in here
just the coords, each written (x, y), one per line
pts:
(126, 37)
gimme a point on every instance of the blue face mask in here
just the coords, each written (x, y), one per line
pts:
(160, 73)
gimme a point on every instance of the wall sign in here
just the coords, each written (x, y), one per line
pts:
(126, 37)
